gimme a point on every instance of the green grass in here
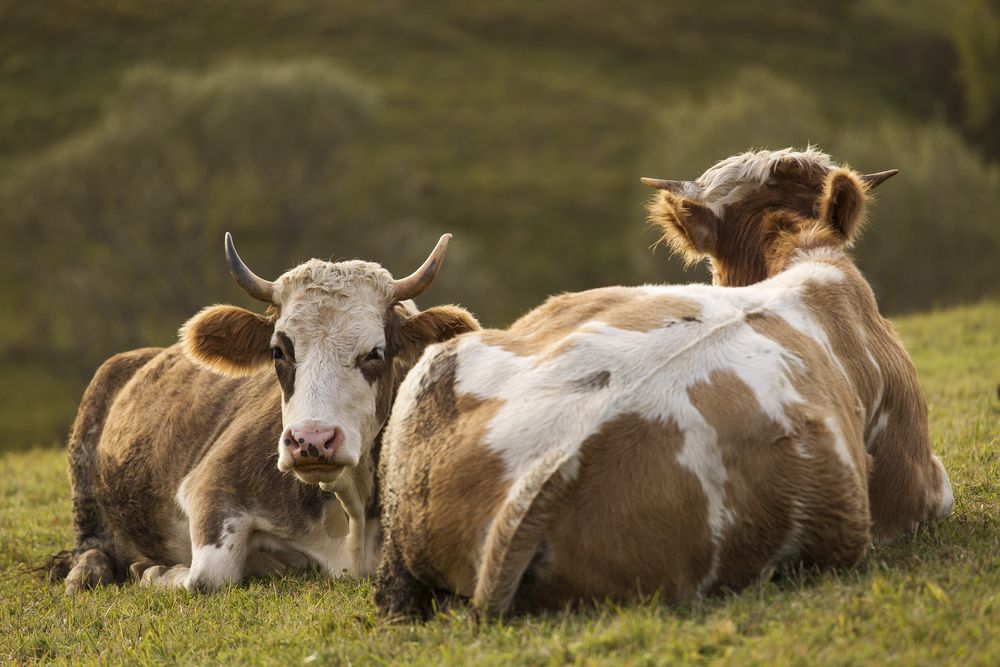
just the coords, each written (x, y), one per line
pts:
(931, 599)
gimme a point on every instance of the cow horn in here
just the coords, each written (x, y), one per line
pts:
(252, 284)
(876, 179)
(415, 283)
(676, 187)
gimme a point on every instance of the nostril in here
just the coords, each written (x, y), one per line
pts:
(334, 441)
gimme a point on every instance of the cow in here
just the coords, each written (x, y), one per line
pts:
(172, 453)
(674, 439)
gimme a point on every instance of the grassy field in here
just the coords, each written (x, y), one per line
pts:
(931, 599)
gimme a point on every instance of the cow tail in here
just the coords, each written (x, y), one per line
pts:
(89, 524)
(515, 535)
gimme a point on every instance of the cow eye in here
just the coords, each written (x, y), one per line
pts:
(378, 354)
(276, 353)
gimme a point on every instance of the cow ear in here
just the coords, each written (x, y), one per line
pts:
(433, 325)
(842, 204)
(228, 340)
(689, 227)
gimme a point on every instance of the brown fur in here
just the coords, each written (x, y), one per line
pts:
(748, 226)
(433, 325)
(228, 340)
(842, 204)
(88, 519)
(690, 229)
(591, 548)
(153, 417)
(433, 491)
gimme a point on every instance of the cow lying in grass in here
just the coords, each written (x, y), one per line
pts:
(680, 439)
(172, 455)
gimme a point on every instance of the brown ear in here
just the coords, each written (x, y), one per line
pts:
(433, 325)
(689, 227)
(842, 204)
(228, 340)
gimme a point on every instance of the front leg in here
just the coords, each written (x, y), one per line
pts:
(908, 485)
(220, 543)
(362, 531)
(162, 576)
(399, 594)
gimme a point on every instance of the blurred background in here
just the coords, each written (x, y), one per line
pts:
(134, 134)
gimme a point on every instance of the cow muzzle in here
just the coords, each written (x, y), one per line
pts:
(316, 450)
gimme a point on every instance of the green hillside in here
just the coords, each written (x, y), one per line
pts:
(931, 599)
(132, 135)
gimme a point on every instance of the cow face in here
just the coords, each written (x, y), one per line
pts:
(737, 213)
(338, 339)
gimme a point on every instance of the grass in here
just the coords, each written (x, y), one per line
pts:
(933, 598)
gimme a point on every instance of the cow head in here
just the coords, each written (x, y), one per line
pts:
(738, 211)
(339, 337)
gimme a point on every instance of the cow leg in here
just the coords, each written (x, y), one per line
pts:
(399, 594)
(90, 569)
(220, 547)
(908, 485)
(161, 576)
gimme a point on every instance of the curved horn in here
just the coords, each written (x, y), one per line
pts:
(252, 284)
(876, 179)
(415, 283)
(676, 187)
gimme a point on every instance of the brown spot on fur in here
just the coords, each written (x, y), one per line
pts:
(813, 506)
(604, 543)
(594, 381)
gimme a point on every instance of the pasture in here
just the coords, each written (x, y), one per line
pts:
(931, 599)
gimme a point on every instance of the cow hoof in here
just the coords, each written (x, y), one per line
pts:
(161, 576)
(92, 568)
(137, 569)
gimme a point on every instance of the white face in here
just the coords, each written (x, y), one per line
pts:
(330, 353)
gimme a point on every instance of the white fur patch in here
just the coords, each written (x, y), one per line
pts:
(877, 429)
(754, 168)
(947, 494)
(222, 564)
(839, 443)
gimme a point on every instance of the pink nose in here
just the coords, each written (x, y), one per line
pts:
(311, 442)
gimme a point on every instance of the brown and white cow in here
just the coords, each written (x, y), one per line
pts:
(680, 439)
(172, 455)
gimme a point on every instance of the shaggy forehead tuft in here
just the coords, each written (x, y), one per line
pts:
(340, 279)
(755, 167)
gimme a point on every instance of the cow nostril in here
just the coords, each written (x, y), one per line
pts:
(302, 441)
(331, 444)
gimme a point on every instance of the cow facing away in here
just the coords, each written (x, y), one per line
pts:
(680, 439)
(172, 454)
